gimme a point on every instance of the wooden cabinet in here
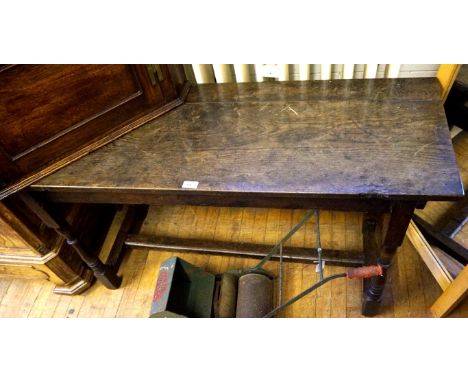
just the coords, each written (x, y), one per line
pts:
(51, 115)
(28, 249)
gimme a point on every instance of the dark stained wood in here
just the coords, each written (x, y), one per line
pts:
(152, 90)
(371, 240)
(328, 147)
(29, 249)
(455, 218)
(245, 250)
(400, 218)
(376, 146)
(29, 179)
(398, 89)
(53, 114)
(30, 95)
(105, 274)
(131, 224)
(91, 224)
(225, 199)
(178, 77)
(445, 243)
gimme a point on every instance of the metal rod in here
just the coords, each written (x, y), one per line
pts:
(280, 276)
(284, 239)
(319, 244)
(304, 293)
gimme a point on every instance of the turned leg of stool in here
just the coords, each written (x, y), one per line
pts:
(399, 220)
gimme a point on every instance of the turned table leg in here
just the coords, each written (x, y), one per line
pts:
(105, 274)
(371, 240)
(400, 218)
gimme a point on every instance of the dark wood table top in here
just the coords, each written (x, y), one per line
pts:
(382, 138)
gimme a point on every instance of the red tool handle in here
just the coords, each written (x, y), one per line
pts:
(364, 272)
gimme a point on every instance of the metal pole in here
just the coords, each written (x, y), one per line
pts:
(284, 239)
(280, 276)
(319, 244)
(304, 293)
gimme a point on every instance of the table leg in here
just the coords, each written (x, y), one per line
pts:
(371, 241)
(400, 218)
(106, 275)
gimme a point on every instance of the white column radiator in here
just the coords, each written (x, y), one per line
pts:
(221, 73)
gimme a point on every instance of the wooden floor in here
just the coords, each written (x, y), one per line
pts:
(409, 293)
(410, 290)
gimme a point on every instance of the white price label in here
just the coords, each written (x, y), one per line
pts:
(190, 184)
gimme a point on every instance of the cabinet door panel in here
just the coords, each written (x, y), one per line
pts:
(53, 100)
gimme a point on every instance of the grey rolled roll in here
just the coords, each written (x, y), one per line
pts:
(254, 296)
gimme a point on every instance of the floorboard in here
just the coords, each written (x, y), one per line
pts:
(410, 291)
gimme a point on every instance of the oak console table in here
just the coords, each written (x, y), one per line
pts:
(379, 146)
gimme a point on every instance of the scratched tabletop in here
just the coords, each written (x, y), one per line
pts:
(384, 138)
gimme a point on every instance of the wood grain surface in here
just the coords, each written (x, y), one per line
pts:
(343, 139)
